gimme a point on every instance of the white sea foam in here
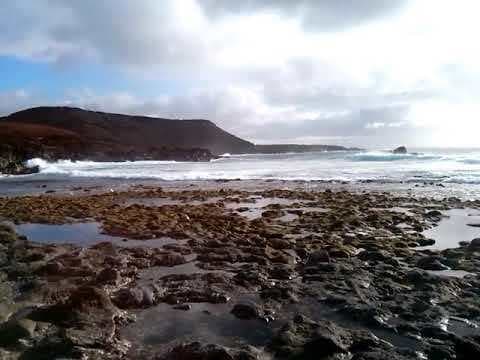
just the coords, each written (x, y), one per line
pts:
(389, 156)
(446, 166)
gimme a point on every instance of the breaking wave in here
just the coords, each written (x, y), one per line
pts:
(339, 166)
(388, 156)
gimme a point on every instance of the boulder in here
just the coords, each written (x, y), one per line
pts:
(246, 310)
(432, 263)
(402, 150)
(136, 297)
(197, 351)
(14, 330)
(474, 244)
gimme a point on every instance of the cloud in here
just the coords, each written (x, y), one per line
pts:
(373, 126)
(340, 70)
(139, 33)
(14, 100)
(238, 110)
(313, 14)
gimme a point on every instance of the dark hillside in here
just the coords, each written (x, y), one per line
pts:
(134, 131)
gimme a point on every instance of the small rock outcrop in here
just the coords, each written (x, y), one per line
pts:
(401, 150)
(13, 162)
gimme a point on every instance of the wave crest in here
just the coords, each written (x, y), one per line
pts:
(388, 156)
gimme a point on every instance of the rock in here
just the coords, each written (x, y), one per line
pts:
(319, 256)
(184, 307)
(279, 244)
(474, 244)
(426, 242)
(108, 276)
(401, 150)
(374, 255)
(420, 278)
(474, 225)
(246, 311)
(136, 297)
(434, 214)
(169, 260)
(197, 351)
(7, 234)
(381, 354)
(305, 339)
(85, 298)
(16, 167)
(16, 329)
(432, 263)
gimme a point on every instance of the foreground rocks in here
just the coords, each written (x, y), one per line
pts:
(339, 279)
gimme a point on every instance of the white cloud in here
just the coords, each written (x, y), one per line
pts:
(328, 69)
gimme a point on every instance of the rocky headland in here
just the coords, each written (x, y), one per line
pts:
(60, 133)
(236, 274)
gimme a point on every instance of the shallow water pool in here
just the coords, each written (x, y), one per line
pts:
(454, 228)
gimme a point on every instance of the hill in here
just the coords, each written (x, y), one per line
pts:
(133, 131)
(54, 133)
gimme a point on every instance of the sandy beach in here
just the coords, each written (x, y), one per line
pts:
(238, 270)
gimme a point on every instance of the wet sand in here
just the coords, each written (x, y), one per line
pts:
(238, 270)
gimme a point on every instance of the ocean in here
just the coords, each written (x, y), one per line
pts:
(454, 166)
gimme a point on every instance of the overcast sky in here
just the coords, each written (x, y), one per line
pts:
(366, 73)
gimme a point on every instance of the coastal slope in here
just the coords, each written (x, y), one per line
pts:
(133, 131)
(55, 133)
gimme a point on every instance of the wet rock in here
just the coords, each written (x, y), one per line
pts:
(250, 277)
(136, 297)
(281, 272)
(474, 244)
(380, 354)
(426, 242)
(401, 150)
(279, 244)
(319, 256)
(183, 307)
(306, 339)
(169, 260)
(435, 214)
(420, 278)
(367, 314)
(432, 263)
(7, 234)
(197, 351)
(477, 225)
(108, 276)
(246, 311)
(85, 321)
(14, 330)
(374, 255)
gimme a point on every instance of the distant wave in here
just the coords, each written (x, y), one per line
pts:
(388, 156)
(470, 161)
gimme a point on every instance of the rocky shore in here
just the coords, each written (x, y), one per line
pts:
(235, 274)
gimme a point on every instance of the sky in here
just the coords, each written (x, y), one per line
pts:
(359, 73)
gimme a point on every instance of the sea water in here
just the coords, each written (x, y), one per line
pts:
(457, 166)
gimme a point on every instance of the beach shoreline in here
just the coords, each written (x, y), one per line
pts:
(260, 269)
(26, 185)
